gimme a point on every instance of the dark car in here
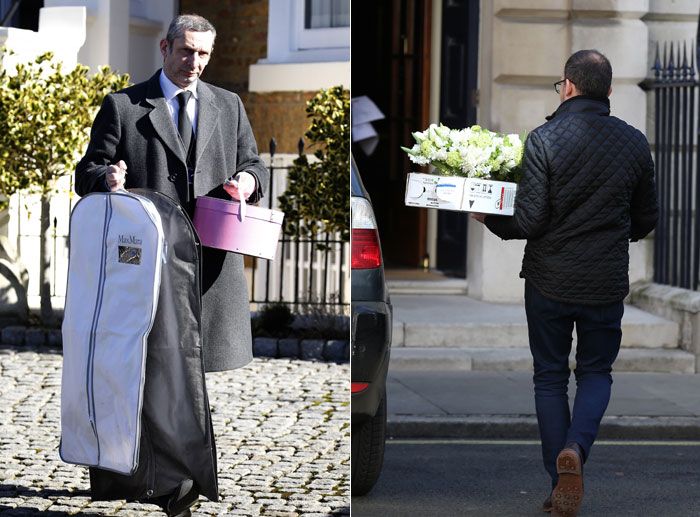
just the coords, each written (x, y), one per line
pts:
(371, 341)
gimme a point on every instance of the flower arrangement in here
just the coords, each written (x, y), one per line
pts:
(474, 152)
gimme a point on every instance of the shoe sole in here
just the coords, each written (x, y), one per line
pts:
(568, 494)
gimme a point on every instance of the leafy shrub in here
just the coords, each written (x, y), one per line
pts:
(316, 199)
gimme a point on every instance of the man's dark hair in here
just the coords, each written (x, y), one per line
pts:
(187, 22)
(590, 71)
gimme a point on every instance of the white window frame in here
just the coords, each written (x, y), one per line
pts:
(329, 37)
(289, 68)
(289, 42)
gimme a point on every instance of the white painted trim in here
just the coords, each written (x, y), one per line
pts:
(435, 71)
(305, 77)
(283, 38)
(322, 38)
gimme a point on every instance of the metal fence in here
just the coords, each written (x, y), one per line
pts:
(677, 236)
(305, 272)
(311, 272)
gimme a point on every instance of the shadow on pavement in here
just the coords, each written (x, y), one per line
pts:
(28, 510)
(29, 348)
(43, 493)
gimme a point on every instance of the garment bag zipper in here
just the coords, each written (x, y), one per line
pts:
(93, 332)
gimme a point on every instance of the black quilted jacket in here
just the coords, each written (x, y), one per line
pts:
(587, 190)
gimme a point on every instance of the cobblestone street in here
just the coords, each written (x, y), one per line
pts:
(282, 434)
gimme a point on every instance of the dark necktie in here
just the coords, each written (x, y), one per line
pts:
(184, 126)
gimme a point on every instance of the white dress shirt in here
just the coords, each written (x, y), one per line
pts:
(170, 91)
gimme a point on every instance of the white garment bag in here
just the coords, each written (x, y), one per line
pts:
(114, 272)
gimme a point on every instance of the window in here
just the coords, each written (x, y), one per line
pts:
(321, 14)
(308, 46)
(322, 24)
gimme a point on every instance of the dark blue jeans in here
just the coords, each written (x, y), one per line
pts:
(550, 326)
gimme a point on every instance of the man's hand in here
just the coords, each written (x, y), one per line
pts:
(116, 176)
(478, 216)
(242, 185)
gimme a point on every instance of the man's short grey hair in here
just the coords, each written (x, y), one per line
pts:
(188, 22)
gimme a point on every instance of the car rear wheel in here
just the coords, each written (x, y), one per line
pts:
(368, 450)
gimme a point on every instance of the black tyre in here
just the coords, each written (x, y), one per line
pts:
(367, 453)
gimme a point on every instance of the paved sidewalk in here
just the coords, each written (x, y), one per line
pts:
(472, 404)
(282, 432)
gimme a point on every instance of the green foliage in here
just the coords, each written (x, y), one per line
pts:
(45, 119)
(316, 199)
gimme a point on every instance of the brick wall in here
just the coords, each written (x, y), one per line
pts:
(280, 115)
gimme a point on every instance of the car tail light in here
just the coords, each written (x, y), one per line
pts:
(366, 253)
(357, 387)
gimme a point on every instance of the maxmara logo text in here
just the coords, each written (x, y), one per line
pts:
(129, 239)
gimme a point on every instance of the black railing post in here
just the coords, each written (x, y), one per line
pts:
(675, 139)
(667, 77)
(657, 159)
(687, 174)
(325, 267)
(298, 260)
(696, 140)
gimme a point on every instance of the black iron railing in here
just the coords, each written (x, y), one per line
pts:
(677, 235)
(306, 271)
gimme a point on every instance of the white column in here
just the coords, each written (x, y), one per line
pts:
(107, 40)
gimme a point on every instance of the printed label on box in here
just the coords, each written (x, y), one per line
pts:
(430, 191)
(489, 197)
(461, 194)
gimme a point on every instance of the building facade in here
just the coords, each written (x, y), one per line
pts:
(274, 53)
(492, 63)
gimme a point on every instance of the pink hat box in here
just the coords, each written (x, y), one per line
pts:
(219, 225)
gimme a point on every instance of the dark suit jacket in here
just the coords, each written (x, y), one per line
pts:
(134, 125)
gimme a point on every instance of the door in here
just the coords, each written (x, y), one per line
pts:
(458, 82)
(391, 65)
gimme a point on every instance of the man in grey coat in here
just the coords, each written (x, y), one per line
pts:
(135, 142)
(185, 138)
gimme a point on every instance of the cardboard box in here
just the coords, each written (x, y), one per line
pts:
(460, 194)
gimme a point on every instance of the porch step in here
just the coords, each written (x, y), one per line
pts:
(519, 359)
(443, 286)
(463, 323)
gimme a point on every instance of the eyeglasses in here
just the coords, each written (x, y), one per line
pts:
(557, 85)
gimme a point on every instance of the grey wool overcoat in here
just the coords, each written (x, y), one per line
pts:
(134, 125)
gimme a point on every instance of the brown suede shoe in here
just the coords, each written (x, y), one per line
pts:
(568, 494)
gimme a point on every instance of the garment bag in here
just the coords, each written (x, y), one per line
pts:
(114, 272)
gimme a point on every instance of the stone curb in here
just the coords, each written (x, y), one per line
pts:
(333, 350)
(525, 427)
(291, 348)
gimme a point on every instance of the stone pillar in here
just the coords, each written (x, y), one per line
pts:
(523, 48)
(107, 33)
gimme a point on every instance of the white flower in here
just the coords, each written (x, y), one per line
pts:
(514, 139)
(419, 136)
(472, 151)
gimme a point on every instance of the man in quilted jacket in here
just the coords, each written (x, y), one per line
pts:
(587, 191)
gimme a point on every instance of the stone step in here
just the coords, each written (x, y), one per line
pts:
(459, 322)
(513, 359)
(427, 287)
